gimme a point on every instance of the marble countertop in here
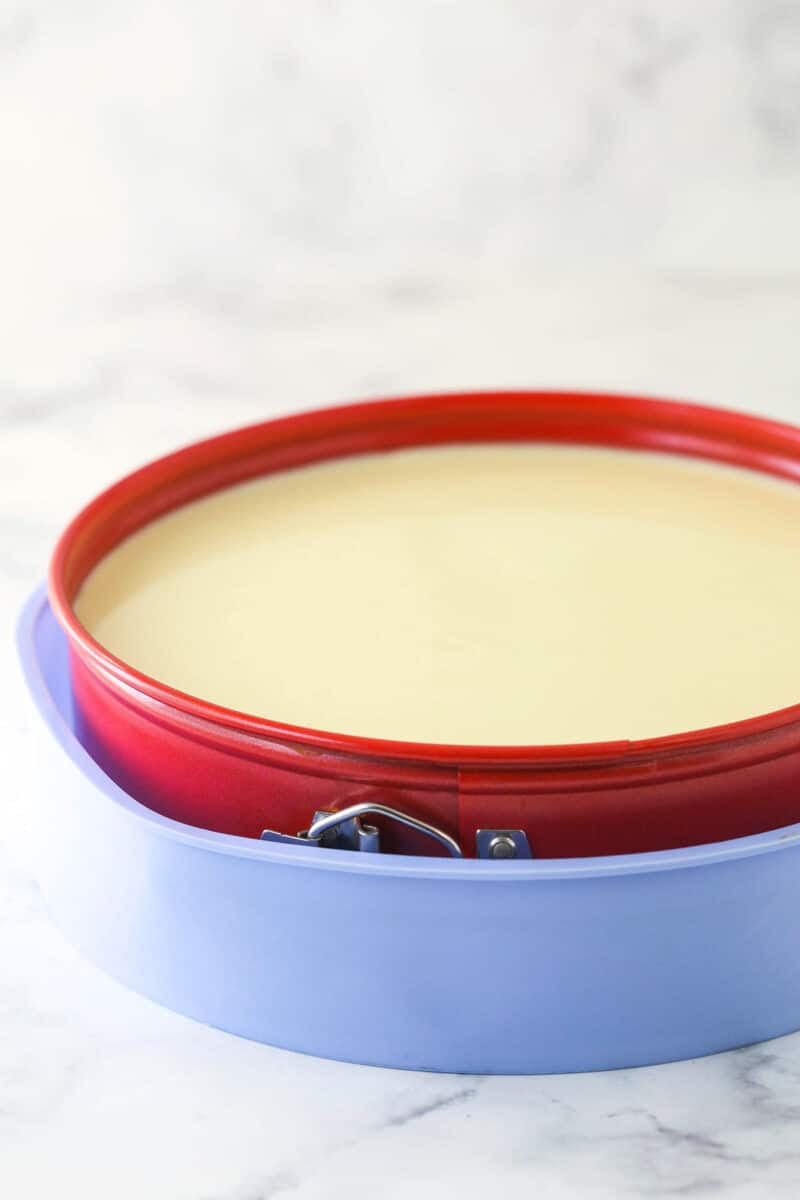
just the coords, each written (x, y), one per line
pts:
(104, 1094)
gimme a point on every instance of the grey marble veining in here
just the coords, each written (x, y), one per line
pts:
(258, 142)
(213, 214)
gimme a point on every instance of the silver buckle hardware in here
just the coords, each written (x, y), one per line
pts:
(344, 830)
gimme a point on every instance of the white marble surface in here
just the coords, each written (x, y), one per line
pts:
(151, 148)
(104, 1094)
(213, 213)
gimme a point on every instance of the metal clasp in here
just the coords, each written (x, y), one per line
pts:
(344, 830)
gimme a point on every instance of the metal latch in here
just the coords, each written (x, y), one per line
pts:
(344, 830)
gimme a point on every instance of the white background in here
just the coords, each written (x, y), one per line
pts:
(246, 154)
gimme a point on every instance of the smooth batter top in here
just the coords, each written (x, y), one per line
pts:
(509, 594)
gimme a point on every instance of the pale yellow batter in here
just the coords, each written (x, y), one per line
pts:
(488, 594)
